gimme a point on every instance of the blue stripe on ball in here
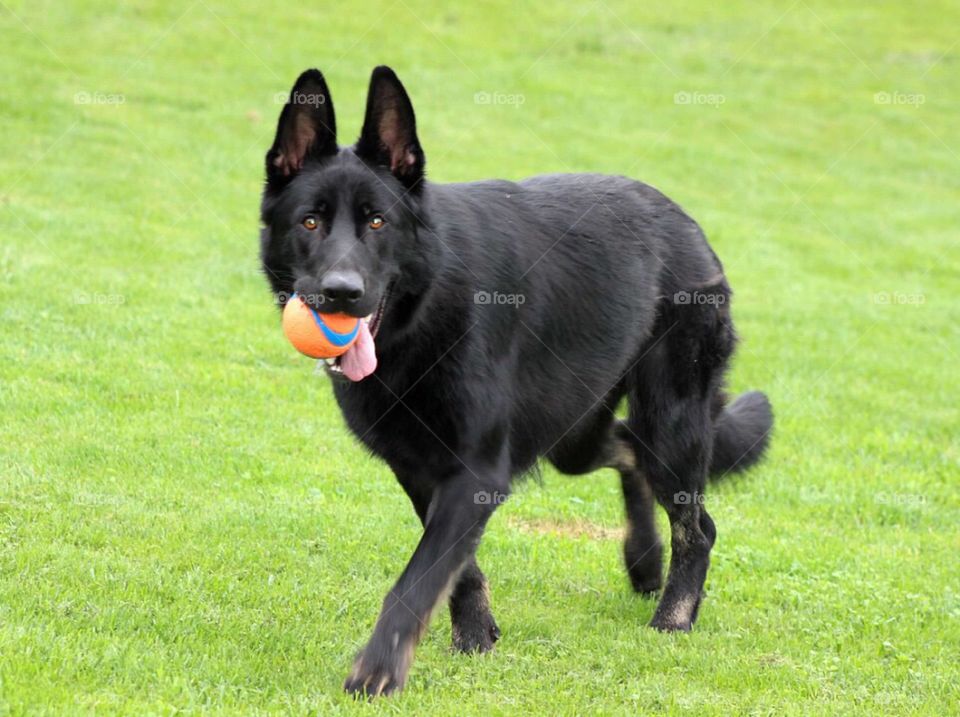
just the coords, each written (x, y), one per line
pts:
(333, 337)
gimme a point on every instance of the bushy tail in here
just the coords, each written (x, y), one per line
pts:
(742, 434)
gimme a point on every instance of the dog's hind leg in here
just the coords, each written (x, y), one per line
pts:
(605, 442)
(642, 549)
(671, 392)
(675, 458)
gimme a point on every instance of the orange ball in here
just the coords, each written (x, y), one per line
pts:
(318, 335)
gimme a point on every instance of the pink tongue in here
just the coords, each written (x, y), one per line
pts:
(360, 360)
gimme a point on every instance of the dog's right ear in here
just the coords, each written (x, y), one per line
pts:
(307, 129)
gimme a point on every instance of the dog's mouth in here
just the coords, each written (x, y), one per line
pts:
(360, 360)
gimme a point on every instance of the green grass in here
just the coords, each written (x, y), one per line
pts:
(184, 520)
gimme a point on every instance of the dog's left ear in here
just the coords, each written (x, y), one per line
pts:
(389, 135)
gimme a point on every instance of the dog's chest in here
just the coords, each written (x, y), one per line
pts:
(397, 423)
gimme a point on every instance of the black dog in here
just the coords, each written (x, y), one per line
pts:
(505, 322)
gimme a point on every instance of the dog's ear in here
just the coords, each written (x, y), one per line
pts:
(389, 135)
(307, 129)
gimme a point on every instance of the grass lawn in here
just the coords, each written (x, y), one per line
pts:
(184, 519)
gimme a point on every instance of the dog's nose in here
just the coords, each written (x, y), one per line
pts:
(341, 287)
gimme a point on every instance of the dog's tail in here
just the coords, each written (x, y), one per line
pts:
(741, 434)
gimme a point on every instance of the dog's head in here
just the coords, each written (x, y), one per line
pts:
(340, 222)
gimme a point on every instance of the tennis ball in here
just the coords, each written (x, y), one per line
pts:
(318, 335)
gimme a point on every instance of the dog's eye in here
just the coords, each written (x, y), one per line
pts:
(377, 221)
(310, 222)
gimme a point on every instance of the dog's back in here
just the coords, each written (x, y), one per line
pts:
(560, 280)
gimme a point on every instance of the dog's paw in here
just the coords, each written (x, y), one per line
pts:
(644, 567)
(376, 675)
(677, 615)
(670, 624)
(476, 635)
(646, 585)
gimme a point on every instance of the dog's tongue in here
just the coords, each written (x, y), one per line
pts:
(360, 360)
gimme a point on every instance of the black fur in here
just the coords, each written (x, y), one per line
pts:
(599, 288)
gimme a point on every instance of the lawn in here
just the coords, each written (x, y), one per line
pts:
(185, 523)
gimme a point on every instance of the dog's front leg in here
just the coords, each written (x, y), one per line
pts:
(455, 522)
